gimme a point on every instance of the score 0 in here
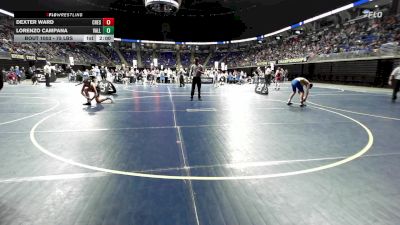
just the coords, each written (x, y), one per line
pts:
(108, 22)
(108, 26)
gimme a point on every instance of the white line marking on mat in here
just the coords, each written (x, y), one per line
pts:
(202, 110)
(353, 112)
(238, 165)
(359, 153)
(185, 165)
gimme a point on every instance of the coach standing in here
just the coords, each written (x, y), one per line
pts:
(47, 74)
(196, 70)
(394, 81)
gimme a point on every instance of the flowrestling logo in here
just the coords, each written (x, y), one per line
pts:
(375, 15)
(63, 15)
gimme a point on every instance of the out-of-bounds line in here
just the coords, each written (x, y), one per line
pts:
(353, 112)
(361, 152)
(36, 114)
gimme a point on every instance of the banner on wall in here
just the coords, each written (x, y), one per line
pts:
(17, 56)
(30, 57)
(266, 63)
(295, 60)
(207, 80)
(71, 61)
(27, 57)
(155, 62)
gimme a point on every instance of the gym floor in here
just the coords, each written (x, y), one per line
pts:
(154, 157)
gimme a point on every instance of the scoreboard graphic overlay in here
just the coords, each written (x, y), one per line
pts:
(63, 27)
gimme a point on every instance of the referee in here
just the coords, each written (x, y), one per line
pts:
(196, 70)
(47, 74)
(394, 81)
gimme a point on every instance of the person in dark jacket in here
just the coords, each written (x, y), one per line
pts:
(196, 70)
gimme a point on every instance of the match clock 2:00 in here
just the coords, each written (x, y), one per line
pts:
(105, 38)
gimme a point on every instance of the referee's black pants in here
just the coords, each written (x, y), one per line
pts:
(1, 80)
(396, 88)
(196, 81)
(47, 78)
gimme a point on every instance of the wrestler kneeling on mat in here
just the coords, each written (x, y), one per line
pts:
(89, 86)
(297, 84)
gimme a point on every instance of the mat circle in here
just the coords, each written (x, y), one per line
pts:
(361, 152)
